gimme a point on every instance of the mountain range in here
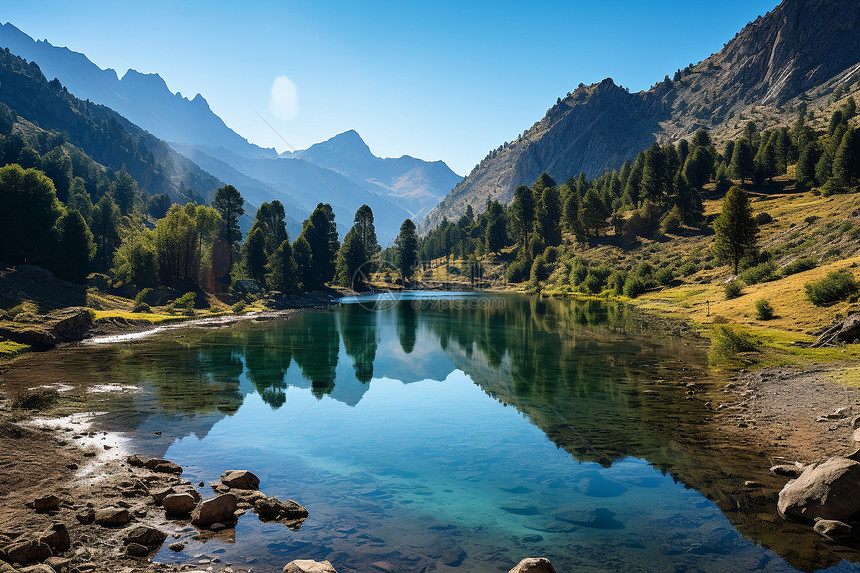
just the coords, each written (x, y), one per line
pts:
(341, 171)
(796, 54)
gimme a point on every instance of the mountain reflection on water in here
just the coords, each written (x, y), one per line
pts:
(387, 420)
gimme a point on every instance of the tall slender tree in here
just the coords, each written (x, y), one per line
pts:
(735, 229)
(406, 249)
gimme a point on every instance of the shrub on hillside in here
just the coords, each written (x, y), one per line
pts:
(664, 276)
(518, 271)
(836, 286)
(798, 266)
(763, 309)
(733, 289)
(634, 286)
(727, 342)
(759, 273)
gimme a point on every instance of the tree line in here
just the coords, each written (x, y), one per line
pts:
(658, 192)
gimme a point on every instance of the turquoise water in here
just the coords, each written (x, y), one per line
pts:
(462, 432)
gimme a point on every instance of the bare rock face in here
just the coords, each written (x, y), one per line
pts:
(179, 503)
(218, 509)
(309, 566)
(534, 565)
(240, 479)
(830, 490)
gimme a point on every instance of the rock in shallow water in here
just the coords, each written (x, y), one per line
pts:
(830, 490)
(832, 529)
(272, 508)
(309, 566)
(597, 518)
(215, 510)
(534, 565)
(179, 503)
(240, 479)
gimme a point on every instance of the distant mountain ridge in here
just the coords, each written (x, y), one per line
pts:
(413, 184)
(143, 99)
(797, 53)
(396, 188)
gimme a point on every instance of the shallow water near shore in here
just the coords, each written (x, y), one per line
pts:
(456, 431)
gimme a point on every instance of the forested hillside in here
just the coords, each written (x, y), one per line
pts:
(795, 56)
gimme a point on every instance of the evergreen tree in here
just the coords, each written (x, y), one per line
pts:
(845, 160)
(281, 269)
(230, 205)
(366, 233)
(592, 212)
(270, 217)
(654, 174)
(124, 191)
(824, 167)
(79, 199)
(688, 201)
(405, 248)
(523, 211)
(495, 235)
(697, 168)
(75, 248)
(743, 165)
(302, 257)
(254, 252)
(805, 167)
(735, 229)
(350, 260)
(321, 235)
(548, 216)
(544, 181)
(105, 228)
(28, 210)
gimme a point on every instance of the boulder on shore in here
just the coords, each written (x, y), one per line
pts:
(57, 537)
(145, 535)
(829, 490)
(309, 566)
(240, 479)
(26, 551)
(163, 466)
(179, 503)
(534, 565)
(219, 509)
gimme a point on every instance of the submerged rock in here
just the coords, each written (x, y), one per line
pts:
(832, 529)
(595, 485)
(240, 479)
(787, 470)
(534, 565)
(830, 490)
(215, 510)
(597, 518)
(309, 566)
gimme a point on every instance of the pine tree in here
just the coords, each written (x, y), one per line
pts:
(592, 212)
(124, 191)
(844, 161)
(548, 216)
(105, 228)
(523, 211)
(281, 269)
(366, 233)
(254, 252)
(735, 229)
(321, 235)
(654, 174)
(302, 257)
(75, 248)
(805, 168)
(495, 235)
(229, 204)
(742, 160)
(350, 260)
(28, 210)
(406, 248)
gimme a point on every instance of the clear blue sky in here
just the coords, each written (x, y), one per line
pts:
(438, 80)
